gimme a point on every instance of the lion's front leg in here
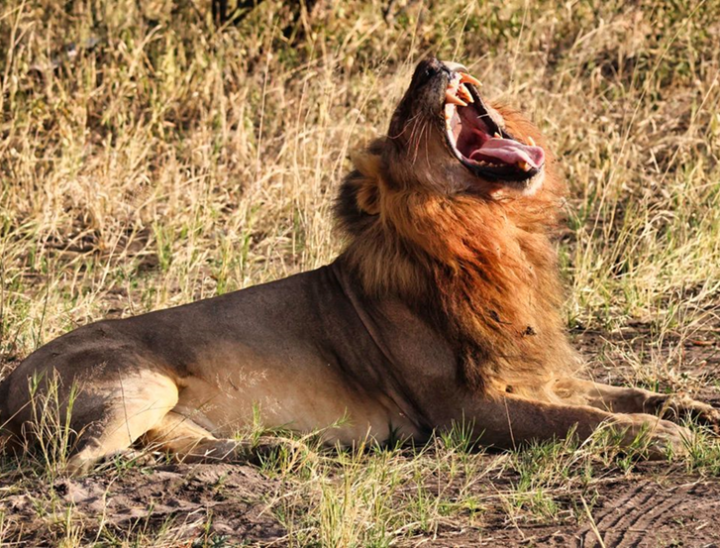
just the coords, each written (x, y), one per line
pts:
(619, 399)
(509, 421)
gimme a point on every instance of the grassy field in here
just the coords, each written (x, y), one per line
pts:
(148, 159)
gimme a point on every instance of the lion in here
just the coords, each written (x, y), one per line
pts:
(444, 306)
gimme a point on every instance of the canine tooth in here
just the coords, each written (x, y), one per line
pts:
(453, 99)
(496, 135)
(522, 164)
(465, 94)
(531, 141)
(465, 77)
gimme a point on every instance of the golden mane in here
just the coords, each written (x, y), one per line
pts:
(482, 269)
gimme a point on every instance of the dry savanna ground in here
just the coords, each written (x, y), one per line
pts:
(148, 159)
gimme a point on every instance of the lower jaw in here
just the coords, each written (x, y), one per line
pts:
(524, 188)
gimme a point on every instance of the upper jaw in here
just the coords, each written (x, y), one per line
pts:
(476, 135)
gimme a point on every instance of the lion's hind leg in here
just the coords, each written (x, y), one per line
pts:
(189, 442)
(111, 416)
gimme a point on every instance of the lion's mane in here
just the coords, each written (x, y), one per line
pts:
(483, 271)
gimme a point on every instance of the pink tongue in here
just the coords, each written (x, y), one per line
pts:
(509, 152)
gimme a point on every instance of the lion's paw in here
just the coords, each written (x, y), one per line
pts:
(673, 407)
(658, 438)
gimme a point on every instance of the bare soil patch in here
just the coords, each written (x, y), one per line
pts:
(233, 504)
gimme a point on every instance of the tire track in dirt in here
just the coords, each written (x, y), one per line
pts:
(639, 517)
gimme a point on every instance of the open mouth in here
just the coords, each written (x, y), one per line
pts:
(478, 139)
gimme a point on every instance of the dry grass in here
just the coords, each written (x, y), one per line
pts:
(166, 161)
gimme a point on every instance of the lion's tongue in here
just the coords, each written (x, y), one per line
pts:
(510, 152)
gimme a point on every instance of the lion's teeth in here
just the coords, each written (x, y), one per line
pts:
(465, 94)
(496, 135)
(466, 78)
(522, 164)
(451, 98)
(531, 141)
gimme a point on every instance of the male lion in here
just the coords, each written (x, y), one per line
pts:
(445, 306)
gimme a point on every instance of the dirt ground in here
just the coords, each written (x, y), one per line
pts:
(651, 505)
(652, 508)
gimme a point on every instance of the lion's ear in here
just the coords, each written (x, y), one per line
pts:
(368, 183)
(368, 196)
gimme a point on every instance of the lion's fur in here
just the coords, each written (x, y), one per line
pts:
(483, 269)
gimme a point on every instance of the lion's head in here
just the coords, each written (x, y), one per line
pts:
(445, 140)
(444, 136)
(451, 162)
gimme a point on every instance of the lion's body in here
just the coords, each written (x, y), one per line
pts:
(444, 307)
(295, 350)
